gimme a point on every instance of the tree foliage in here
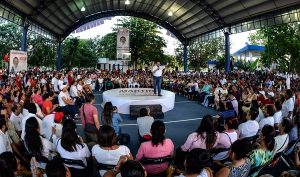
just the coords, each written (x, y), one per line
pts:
(199, 53)
(41, 52)
(146, 44)
(282, 46)
(78, 53)
(10, 38)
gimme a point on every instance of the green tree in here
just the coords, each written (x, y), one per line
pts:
(146, 44)
(105, 47)
(41, 52)
(10, 37)
(282, 43)
(258, 38)
(199, 53)
(78, 53)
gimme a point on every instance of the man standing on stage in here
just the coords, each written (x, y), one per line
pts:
(157, 79)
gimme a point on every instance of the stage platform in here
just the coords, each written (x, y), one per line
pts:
(124, 97)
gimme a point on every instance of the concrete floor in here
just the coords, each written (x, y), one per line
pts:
(180, 122)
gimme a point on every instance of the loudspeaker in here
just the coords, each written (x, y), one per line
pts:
(155, 111)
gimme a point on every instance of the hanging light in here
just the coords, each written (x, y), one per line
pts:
(170, 14)
(82, 9)
(127, 2)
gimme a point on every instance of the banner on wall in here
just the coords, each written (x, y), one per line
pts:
(123, 44)
(17, 61)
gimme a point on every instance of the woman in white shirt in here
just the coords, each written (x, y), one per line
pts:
(282, 140)
(288, 105)
(269, 112)
(35, 144)
(144, 123)
(71, 147)
(108, 151)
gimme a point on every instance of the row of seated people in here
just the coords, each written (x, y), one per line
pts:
(235, 151)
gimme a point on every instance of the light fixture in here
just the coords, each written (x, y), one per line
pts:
(170, 14)
(127, 2)
(82, 9)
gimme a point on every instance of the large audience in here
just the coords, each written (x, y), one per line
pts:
(255, 132)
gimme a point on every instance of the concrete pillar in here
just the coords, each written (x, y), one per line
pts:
(59, 56)
(185, 59)
(227, 52)
(24, 38)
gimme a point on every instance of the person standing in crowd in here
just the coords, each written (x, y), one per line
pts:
(157, 77)
(288, 105)
(89, 118)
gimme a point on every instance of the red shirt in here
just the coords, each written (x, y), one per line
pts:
(47, 104)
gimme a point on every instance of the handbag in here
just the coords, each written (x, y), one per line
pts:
(89, 128)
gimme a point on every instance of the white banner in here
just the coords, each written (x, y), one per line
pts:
(123, 39)
(17, 61)
(136, 92)
(123, 44)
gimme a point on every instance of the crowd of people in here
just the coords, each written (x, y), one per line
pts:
(255, 133)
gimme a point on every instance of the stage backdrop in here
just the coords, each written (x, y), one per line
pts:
(17, 61)
(123, 45)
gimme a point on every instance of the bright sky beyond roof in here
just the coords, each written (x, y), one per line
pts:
(237, 41)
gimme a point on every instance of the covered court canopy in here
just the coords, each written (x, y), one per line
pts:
(189, 20)
(186, 19)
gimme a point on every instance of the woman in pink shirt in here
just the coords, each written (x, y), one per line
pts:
(158, 147)
(205, 137)
(37, 97)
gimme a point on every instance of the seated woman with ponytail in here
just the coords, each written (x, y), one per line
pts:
(158, 147)
(264, 153)
(35, 144)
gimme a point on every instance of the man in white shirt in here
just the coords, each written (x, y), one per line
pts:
(16, 117)
(66, 103)
(5, 144)
(157, 79)
(269, 112)
(54, 83)
(32, 113)
(250, 127)
(50, 122)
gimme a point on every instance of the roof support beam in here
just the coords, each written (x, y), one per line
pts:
(126, 13)
(210, 11)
